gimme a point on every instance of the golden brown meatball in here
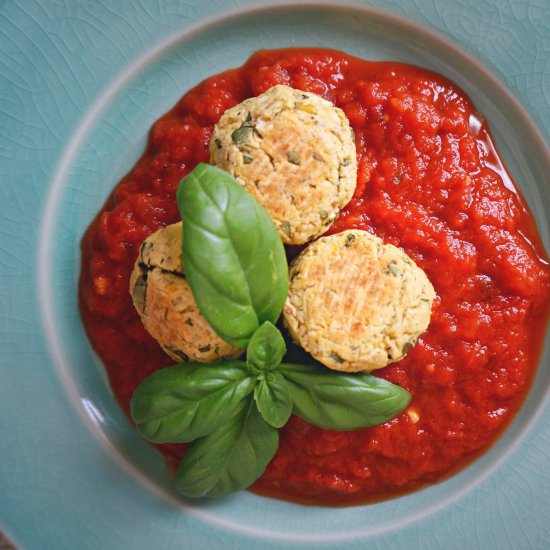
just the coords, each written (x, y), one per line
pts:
(356, 304)
(166, 305)
(295, 153)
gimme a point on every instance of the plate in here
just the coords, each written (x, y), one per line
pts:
(81, 86)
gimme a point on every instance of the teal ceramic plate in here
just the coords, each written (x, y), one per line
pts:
(81, 83)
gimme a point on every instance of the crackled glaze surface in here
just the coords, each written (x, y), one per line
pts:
(75, 109)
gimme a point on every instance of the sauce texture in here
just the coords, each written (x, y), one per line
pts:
(430, 182)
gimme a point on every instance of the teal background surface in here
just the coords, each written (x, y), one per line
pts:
(80, 84)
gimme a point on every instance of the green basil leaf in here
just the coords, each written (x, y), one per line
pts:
(230, 458)
(338, 401)
(273, 398)
(184, 402)
(266, 348)
(234, 259)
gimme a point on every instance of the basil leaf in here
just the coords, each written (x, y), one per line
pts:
(338, 401)
(273, 399)
(234, 259)
(184, 402)
(230, 458)
(266, 348)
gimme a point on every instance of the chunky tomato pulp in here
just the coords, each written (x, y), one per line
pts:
(429, 181)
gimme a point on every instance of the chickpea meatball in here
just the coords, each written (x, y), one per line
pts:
(355, 303)
(164, 301)
(295, 153)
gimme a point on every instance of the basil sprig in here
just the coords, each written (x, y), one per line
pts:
(231, 411)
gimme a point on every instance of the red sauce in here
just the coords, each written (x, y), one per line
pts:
(430, 182)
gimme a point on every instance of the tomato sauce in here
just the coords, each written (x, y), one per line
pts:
(429, 181)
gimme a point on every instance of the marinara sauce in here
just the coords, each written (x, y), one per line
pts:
(430, 182)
